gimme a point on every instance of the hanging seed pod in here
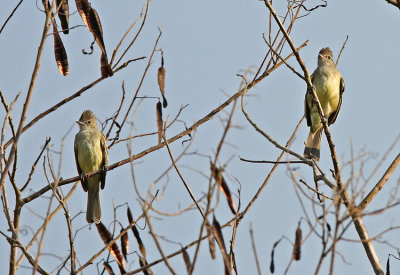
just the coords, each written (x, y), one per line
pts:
(143, 262)
(129, 214)
(224, 188)
(159, 121)
(107, 267)
(60, 53)
(186, 259)
(272, 265)
(125, 244)
(96, 29)
(161, 81)
(296, 254)
(211, 242)
(220, 240)
(83, 8)
(139, 241)
(114, 249)
(63, 14)
(105, 68)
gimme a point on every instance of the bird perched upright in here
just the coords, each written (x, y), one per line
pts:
(329, 85)
(91, 154)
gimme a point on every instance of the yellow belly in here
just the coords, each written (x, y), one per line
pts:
(327, 86)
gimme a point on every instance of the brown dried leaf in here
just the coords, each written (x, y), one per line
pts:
(224, 188)
(63, 14)
(107, 267)
(297, 245)
(159, 121)
(211, 243)
(220, 241)
(143, 262)
(114, 249)
(125, 244)
(60, 53)
(186, 259)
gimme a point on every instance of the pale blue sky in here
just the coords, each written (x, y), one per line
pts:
(205, 44)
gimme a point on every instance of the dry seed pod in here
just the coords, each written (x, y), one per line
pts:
(125, 244)
(272, 265)
(143, 262)
(105, 68)
(159, 121)
(224, 187)
(211, 243)
(186, 259)
(83, 7)
(220, 240)
(96, 29)
(129, 214)
(63, 14)
(136, 233)
(139, 240)
(161, 81)
(107, 238)
(60, 53)
(297, 245)
(108, 268)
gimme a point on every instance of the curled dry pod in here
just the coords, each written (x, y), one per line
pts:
(159, 121)
(125, 244)
(224, 187)
(296, 254)
(63, 14)
(114, 249)
(60, 53)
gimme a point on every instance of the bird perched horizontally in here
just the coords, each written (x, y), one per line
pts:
(329, 85)
(90, 155)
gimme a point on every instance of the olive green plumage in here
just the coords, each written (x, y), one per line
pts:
(91, 155)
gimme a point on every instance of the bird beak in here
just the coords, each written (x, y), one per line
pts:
(79, 122)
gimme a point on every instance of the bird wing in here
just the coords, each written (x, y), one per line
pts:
(104, 162)
(83, 181)
(333, 116)
(306, 107)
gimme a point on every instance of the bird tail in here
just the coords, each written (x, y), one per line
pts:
(93, 212)
(313, 143)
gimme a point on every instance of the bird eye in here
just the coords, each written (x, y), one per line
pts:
(329, 57)
(89, 122)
